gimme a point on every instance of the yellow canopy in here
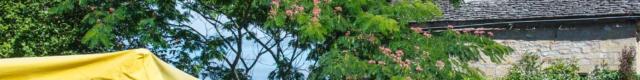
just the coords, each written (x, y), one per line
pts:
(136, 64)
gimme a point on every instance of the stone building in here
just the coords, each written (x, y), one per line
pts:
(590, 32)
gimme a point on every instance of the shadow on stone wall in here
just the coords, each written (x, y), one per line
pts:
(572, 31)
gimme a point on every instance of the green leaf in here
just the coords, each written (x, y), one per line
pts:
(314, 32)
(62, 7)
(147, 22)
(82, 2)
(93, 17)
(98, 35)
(280, 20)
(377, 23)
(151, 1)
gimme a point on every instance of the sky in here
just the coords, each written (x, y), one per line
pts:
(265, 64)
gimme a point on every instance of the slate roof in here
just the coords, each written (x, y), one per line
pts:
(525, 9)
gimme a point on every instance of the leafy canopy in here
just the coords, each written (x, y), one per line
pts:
(27, 30)
(348, 39)
(364, 39)
(110, 25)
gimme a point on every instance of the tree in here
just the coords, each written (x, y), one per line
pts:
(118, 25)
(159, 25)
(27, 30)
(362, 39)
(347, 39)
(111, 25)
(242, 21)
(55, 27)
(353, 39)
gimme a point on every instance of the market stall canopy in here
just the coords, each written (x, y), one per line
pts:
(136, 64)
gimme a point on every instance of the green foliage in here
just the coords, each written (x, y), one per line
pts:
(110, 22)
(27, 30)
(364, 39)
(110, 25)
(370, 23)
(562, 71)
(344, 35)
(601, 73)
(349, 39)
(314, 32)
(349, 57)
(98, 32)
(529, 68)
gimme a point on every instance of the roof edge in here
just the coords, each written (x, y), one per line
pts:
(486, 22)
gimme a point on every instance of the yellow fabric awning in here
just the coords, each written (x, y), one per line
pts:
(136, 64)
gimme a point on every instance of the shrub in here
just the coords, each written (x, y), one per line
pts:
(626, 63)
(529, 68)
(561, 70)
(601, 73)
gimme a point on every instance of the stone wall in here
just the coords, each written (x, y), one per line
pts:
(588, 44)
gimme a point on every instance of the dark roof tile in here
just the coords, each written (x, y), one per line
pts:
(522, 9)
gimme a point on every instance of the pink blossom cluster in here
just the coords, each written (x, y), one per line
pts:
(371, 38)
(111, 10)
(416, 29)
(337, 9)
(440, 64)
(376, 62)
(296, 9)
(477, 31)
(426, 34)
(274, 8)
(315, 11)
(396, 57)
(419, 30)
(450, 26)
(481, 31)
(348, 33)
